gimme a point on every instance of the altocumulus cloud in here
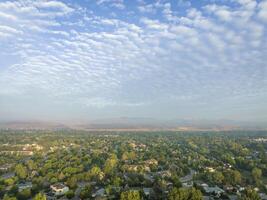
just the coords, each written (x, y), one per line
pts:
(174, 55)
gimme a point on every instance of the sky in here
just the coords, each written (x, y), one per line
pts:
(93, 59)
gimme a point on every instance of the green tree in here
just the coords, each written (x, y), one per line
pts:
(250, 194)
(9, 181)
(233, 177)
(86, 192)
(31, 165)
(21, 171)
(6, 197)
(72, 182)
(256, 174)
(117, 181)
(218, 177)
(185, 194)
(237, 178)
(130, 195)
(110, 164)
(24, 194)
(39, 196)
(96, 173)
(70, 194)
(53, 180)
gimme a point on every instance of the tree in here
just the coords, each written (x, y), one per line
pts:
(24, 194)
(39, 196)
(256, 174)
(178, 194)
(233, 177)
(6, 197)
(176, 181)
(250, 195)
(72, 182)
(61, 176)
(9, 181)
(237, 177)
(110, 164)
(218, 177)
(130, 195)
(31, 165)
(117, 181)
(96, 173)
(53, 180)
(86, 192)
(21, 171)
(70, 194)
(195, 194)
(185, 194)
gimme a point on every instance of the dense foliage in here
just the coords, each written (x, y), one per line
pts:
(132, 165)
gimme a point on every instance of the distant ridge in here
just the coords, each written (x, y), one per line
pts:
(135, 124)
(32, 125)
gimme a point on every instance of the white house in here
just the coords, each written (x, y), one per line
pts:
(59, 189)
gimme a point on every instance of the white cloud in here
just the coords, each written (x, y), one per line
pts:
(150, 8)
(262, 13)
(57, 5)
(113, 3)
(209, 49)
(9, 30)
(154, 24)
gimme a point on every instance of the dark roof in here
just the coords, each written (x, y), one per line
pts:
(58, 186)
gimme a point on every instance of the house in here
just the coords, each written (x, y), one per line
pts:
(151, 162)
(149, 177)
(227, 166)
(187, 184)
(213, 190)
(210, 169)
(59, 189)
(99, 193)
(149, 192)
(229, 188)
(136, 168)
(34, 173)
(240, 188)
(23, 186)
(208, 198)
(165, 173)
(169, 185)
(5, 167)
(8, 175)
(263, 196)
(82, 184)
(50, 197)
(233, 197)
(189, 177)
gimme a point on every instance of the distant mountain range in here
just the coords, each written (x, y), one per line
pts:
(142, 124)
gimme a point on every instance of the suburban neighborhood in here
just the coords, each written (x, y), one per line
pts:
(120, 165)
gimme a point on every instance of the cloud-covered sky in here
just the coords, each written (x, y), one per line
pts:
(88, 59)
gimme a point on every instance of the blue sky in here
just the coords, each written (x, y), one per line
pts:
(88, 59)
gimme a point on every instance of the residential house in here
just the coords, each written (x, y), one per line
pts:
(149, 192)
(99, 193)
(210, 169)
(216, 191)
(23, 186)
(8, 175)
(263, 196)
(151, 162)
(5, 167)
(59, 189)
